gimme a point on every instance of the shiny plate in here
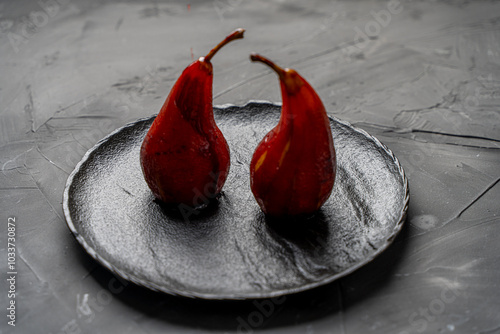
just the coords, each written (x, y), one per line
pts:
(230, 250)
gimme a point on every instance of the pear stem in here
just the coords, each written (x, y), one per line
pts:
(276, 68)
(238, 33)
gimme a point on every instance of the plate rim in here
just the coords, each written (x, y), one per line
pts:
(254, 295)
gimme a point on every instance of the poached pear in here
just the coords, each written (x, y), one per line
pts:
(184, 156)
(293, 168)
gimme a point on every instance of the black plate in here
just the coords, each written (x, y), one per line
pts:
(230, 250)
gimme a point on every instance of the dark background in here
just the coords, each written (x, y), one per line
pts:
(424, 79)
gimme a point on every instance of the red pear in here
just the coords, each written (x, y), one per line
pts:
(184, 156)
(293, 168)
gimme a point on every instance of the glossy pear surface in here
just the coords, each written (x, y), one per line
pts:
(292, 171)
(184, 156)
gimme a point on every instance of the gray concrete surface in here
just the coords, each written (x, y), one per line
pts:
(422, 76)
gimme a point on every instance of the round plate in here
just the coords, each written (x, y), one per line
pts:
(230, 249)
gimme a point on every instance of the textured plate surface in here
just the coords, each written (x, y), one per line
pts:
(230, 250)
